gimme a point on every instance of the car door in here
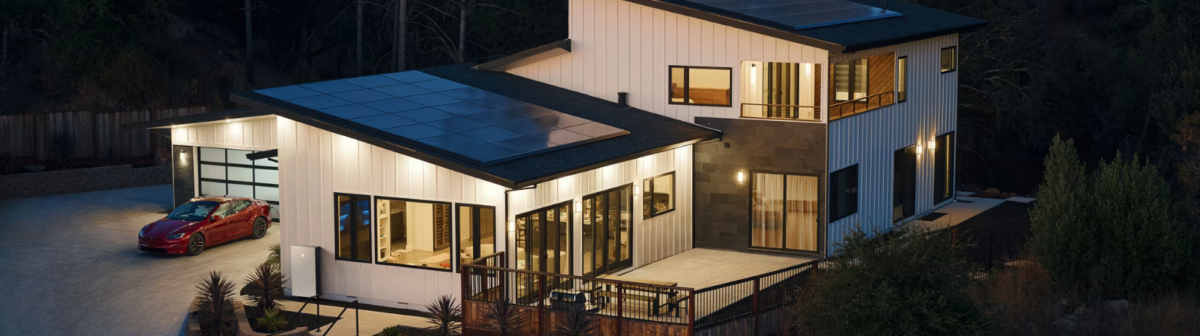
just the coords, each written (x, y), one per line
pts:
(241, 219)
(221, 224)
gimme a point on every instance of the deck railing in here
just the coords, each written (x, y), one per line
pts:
(545, 296)
(783, 112)
(860, 105)
(751, 296)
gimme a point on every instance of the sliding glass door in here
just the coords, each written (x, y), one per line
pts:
(543, 242)
(783, 212)
(607, 231)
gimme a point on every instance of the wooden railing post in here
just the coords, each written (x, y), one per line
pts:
(620, 306)
(756, 306)
(466, 289)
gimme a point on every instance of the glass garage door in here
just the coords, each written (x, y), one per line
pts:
(227, 172)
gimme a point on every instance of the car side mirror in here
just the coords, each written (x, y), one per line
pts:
(216, 218)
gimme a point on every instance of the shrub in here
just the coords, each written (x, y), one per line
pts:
(1111, 234)
(910, 283)
(575, 322)
(503, 318)
(264, 287)
(391, 331)
(215, 312)
(445, 315)
(273, 258)
(64, 146)
(273, 320)
(8, 164)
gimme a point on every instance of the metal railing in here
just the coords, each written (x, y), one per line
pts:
(783, 112)
(751, 296)
(549, 293)
(860, 105)
(339, 318)
(999, 241)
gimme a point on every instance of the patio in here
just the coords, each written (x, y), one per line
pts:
(701, 268)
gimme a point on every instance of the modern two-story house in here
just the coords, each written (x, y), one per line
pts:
(659, 126)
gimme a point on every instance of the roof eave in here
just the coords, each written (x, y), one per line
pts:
(527, 57)
(911, 38)
(200, 118)
(833, 48)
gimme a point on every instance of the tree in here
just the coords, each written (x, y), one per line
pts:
(1061, 229)
(911, 282)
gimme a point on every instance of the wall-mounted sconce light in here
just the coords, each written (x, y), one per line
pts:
(919, 148)
(932, 145)
(228, 120)
(183, 156)
(637, 189)
(741, 177)
(578, 206)
(512, 225)
(753, 76)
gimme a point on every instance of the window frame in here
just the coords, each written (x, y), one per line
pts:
(902, 81)
(853, 72)
(687, 80)
(654, 213)
(908, 210)
(476, 228)
(375, 234)
(937, 199)
(750, 202)
(832, 202)
(583, 214)
(353, 233)
(253, 176)
(955, 61)
(570, 204)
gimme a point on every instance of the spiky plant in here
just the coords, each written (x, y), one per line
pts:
(576, 322)
(273, 258)
(503, 318)
(391, 331)
(216, 312)
(273, 320)
(445, 315)
(264, 287)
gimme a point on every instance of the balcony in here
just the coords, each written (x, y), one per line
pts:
(852, 107)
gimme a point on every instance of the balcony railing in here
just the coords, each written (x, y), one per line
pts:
(781, 112)
(860, 105)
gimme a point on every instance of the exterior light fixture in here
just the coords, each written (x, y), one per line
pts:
(578, 206)
(637, 189)
(183, 157)
(741, 177)
(753, 76)
(932, 145)
(228, 120)
(919, 149)
(512, 225)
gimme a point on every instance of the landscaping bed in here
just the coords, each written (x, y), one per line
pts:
(312, 321)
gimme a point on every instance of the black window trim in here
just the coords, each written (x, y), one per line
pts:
(353, 234)
(750, 202)
(455, 263)
(584, 199)
(955, 47)
(832, 202)
(674, 195)
(915, 174)
(570, 204)
(687, 78)
(953, 170)
(375, 235)
(902, 98)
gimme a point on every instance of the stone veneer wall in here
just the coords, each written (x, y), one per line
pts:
(81, 180)
(722, 209)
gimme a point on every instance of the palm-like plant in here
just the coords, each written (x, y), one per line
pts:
(273, 320)
(503, 318)
(445, 315)
(391, 331)
(264, 287)
(273, 258)
(215, 312)
(576, 322)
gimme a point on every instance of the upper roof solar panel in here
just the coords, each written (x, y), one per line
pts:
(800, 14)
(465, 121)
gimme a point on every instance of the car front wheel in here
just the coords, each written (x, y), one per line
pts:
(259, 229)
(195, 244)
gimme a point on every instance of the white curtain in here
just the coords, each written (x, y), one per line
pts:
(802, 213)
(767, 211)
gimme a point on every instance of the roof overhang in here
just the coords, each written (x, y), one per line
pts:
(216, 117)
(527, 57)
(833, 48)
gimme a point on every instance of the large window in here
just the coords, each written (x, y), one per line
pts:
(850, 80)
(658, 195)
(783, 211)
(949, 59)
(902, 79)
(701, 86)
(607, 231)
(843, 193)
(543, 239)
(904, 183)
(229, 172)
(776, 90)
(353, 227)
(414, 233)
(943, 170)
(476, 232)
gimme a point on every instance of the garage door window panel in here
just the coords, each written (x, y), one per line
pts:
(228, 172)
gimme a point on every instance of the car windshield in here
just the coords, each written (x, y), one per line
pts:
(193, 211)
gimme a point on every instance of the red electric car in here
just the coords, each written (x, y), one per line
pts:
(204, 222)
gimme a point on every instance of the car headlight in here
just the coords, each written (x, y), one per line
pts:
(175, 236)
(142, 233)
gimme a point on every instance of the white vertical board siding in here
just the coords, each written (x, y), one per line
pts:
(314, 164)
(870, 139)
(252, 134)
(653, 239)
(617, 46)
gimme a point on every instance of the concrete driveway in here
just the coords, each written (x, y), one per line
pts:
(69, 265)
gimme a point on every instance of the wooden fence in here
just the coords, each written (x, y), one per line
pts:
(97, 134)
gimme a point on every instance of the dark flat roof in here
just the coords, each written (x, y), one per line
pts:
(648, 133)
(914, 23)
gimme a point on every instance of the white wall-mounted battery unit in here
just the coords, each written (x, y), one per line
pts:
(306, 270)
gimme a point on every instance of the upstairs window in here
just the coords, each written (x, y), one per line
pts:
(658, 195)
(949, 59)
(850, 80)
(902, 79)
(843, 193)
(704, 86)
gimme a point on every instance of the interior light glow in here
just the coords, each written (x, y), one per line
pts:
(741, 177)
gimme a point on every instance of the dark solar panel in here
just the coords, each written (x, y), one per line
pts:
(800, 14)
(469, 122)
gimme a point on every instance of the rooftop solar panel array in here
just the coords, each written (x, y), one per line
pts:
(466, 121)
(801, 14)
